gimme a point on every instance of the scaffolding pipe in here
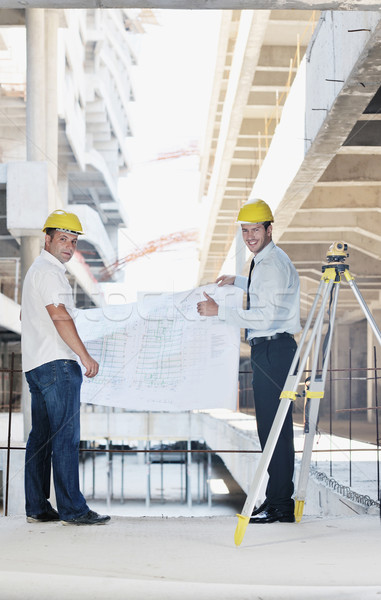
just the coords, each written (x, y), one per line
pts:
(9, 432)
(188, 480)
(148, 459)
(209, 477)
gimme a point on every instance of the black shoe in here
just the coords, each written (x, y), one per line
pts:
(271, 515)
(90, 518)
(49, 515)
(261, 508)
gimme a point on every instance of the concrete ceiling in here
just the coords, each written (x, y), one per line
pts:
(336, 192)
(256, 65)
(198, 4)
(336, 195)
(257, 62)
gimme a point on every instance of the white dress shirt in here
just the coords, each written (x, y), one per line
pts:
(274, 296)
(45, 283)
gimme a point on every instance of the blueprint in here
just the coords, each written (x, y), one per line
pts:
(159, 354)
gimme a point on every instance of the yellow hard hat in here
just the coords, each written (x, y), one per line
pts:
(64, 221)
(255, 211)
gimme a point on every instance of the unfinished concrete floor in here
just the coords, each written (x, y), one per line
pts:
(191, 558)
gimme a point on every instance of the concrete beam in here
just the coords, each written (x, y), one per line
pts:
(368, 223)
(13, 17)
(277, 57)
(313, 255)
(328, 197)
(327, 128)
(252, 28)
(200, 4)
(359, 240)
(250, 127)
(353, 168)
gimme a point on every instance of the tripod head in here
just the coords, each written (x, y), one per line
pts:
(337, 252)
(336, 257)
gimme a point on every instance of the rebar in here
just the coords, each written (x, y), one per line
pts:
(343, 490)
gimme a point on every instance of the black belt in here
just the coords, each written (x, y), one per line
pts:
(267, 338)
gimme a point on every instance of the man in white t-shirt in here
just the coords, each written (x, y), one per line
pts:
(50, 347)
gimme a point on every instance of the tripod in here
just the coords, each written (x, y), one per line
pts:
(328, 292)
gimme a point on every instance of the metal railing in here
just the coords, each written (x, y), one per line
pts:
(340, 415)
(246, 405)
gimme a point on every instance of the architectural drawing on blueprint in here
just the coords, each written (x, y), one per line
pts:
(159, 354)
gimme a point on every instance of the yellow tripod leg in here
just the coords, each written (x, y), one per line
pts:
(240, 529)
(244, 518)
(299, 508)
(301, 492)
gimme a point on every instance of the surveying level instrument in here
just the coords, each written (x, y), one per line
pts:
(337, 252)
(328, 294)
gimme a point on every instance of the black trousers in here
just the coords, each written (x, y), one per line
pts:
(270, 361)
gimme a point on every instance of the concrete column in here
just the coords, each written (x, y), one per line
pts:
(358, 344)
(113, 234)
(30, 249)
(340, 360)
(35, 112)
(240, 253)
(35, 141)
(35, 84)
(51, 100)
(371, 391)
(63, 184)
(347, 337)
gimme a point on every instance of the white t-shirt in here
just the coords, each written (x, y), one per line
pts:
(45, 283)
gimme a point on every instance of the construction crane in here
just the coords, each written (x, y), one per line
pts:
(191, 150)
(152, 246)
(165, 240)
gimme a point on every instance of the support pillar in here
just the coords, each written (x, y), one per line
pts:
(351, 336)
(371, 391)
(340, 360)
(35, 84)
(35, 141)
(358, 342)
(51, 101)
(29, 250)
(240, 253)
(188, 474)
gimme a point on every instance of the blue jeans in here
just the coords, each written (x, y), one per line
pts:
(55, 435)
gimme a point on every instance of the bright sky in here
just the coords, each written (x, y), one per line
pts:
(172, 85)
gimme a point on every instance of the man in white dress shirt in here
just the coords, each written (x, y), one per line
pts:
(50, 347)
(270, 320)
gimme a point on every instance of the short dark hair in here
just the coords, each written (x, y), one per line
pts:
(50, 231)
(266, 224)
